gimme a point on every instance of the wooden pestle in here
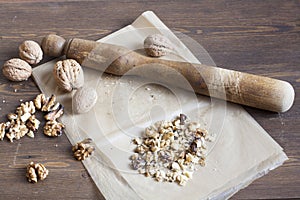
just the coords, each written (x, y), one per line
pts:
(238, 87)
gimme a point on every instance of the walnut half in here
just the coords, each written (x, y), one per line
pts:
(36, 171)
(83, 149)
(53, 128)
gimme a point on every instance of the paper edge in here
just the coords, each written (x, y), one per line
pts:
(226, 194)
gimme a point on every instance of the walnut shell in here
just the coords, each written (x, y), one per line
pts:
(16, 69)
(68, 74)
(31, 52)
(84, 99)
(157, 45)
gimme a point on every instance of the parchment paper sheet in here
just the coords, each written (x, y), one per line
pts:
(242, 152)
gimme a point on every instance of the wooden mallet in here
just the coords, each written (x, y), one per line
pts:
(238, 87)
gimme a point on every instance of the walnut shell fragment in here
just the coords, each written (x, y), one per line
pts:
(31, 52)
(83, 149)
(84, 100)
(68, 74)
(157, 45)
(36, 171)
(16, 69)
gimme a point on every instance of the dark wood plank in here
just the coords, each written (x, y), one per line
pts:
(260, 37)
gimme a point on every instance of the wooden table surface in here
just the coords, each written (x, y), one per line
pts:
(259, 37)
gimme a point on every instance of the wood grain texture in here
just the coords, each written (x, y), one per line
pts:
(259, 37)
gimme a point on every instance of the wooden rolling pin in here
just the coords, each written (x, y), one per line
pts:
(238, 87)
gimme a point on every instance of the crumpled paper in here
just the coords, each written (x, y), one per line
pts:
(242, 152)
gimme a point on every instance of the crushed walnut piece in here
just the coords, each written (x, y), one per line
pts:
(33, 123)
(24, 122)
(83, 149)
(3, 127)
(31, 174)
(170, 151)
(36, 171)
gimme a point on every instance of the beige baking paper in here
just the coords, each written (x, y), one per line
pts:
(242, 152)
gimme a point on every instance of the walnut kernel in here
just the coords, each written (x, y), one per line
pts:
(2, 130)
(55, 114)
(31, 174)
(53, 128)
(16, 130)
(83, 149)
(33, 123)
(49, 103)
(39, 101)
(36, 171)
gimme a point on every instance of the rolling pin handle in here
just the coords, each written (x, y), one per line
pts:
(54, 45)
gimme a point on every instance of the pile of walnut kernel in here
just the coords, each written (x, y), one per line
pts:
(24, 122)
(171, 150)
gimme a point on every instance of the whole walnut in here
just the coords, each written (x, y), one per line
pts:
(84, 99)
(68, 74)
(16, 69)
(157, 45)
(31, 52)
